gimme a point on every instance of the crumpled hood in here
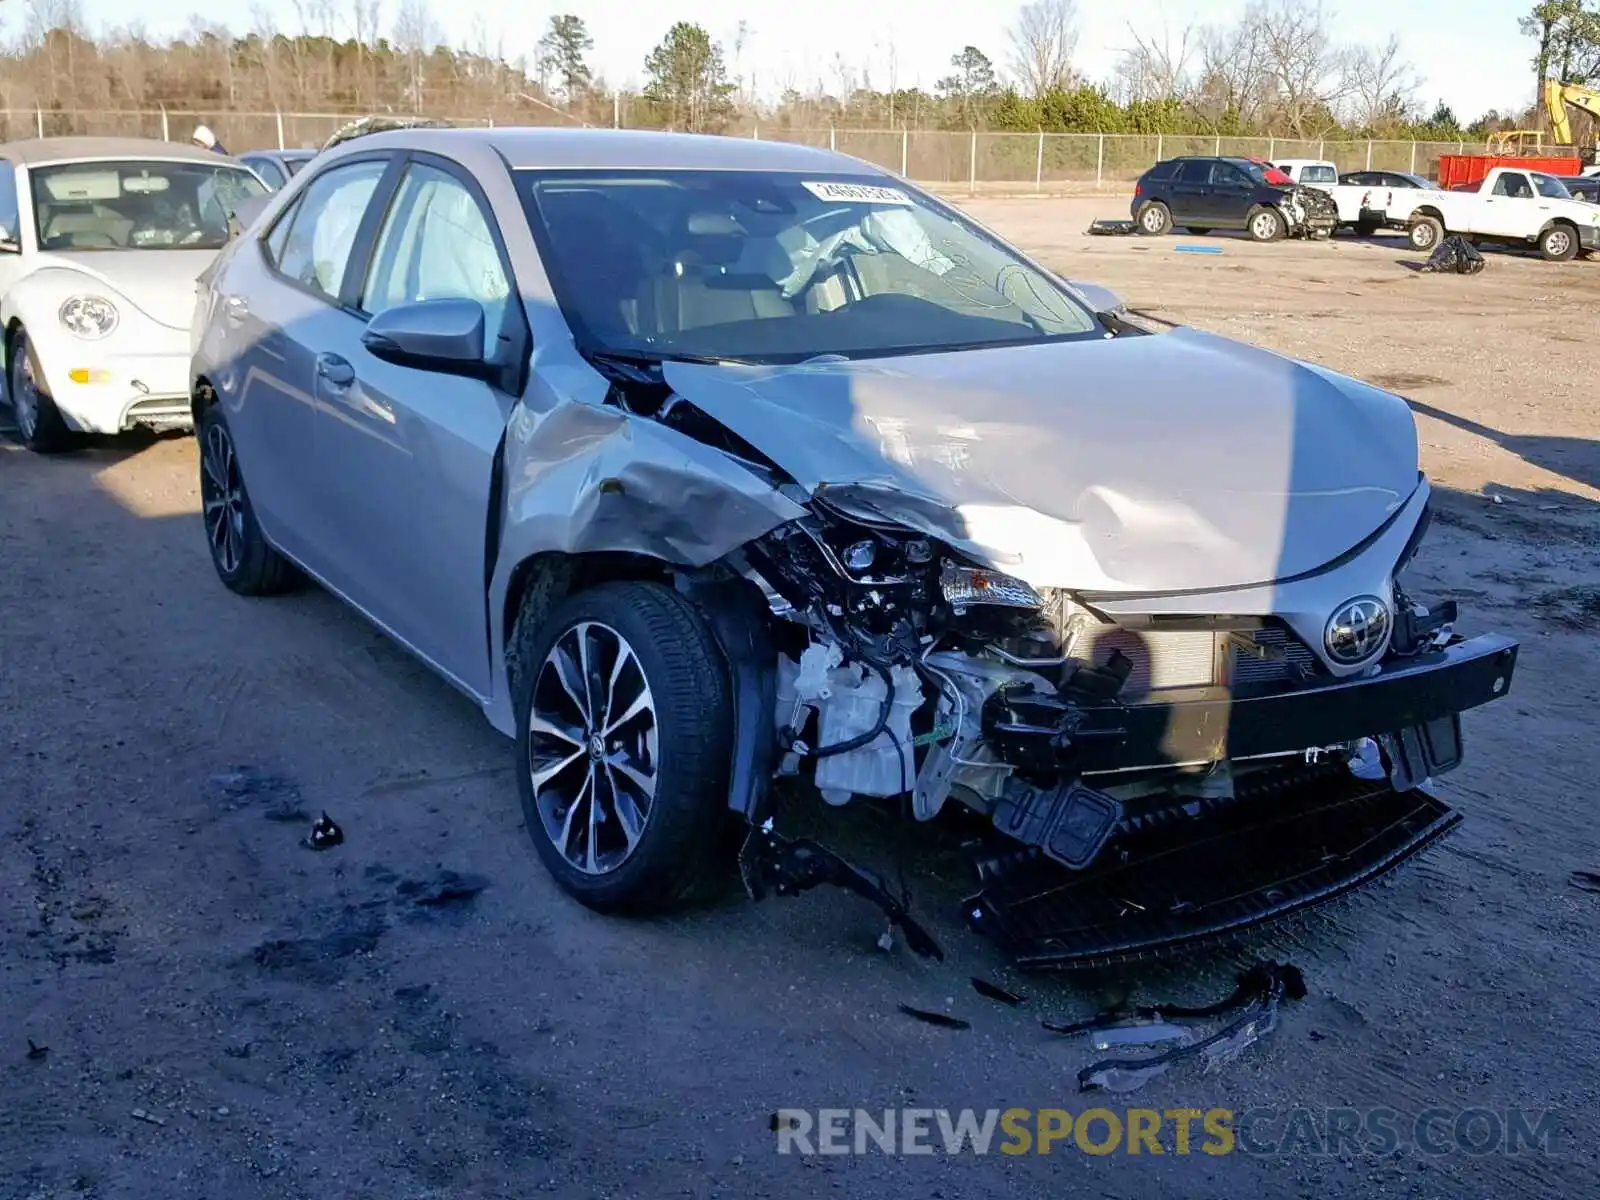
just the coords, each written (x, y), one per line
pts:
(1172, 462)
(160, 283)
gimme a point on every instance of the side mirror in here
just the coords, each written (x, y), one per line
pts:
(434, 335)
(1101, 299)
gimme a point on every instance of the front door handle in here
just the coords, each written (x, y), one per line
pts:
(235, 308)
(334, 371)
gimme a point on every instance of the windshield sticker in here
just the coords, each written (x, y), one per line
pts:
(858, 193)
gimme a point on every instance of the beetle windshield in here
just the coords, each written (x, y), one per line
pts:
(777, 267)
(137, 205)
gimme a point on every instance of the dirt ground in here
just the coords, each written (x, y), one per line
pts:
(293, 1024)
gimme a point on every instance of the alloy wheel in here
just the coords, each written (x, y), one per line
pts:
(1558, 242)
(592, 747)
(222, 499)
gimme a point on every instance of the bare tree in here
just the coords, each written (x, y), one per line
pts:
(1302, 61)
(415, 33)
(1381, 84)
(1233, 75)
(1153, 68)
(1043, 41)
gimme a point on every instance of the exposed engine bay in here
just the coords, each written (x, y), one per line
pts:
(1152, 771)
(1311, 213)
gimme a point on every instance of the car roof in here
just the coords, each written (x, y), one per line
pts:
(558, 149)
(70, 149)
(277, 154)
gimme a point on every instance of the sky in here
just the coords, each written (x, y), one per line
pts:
(1469, 53)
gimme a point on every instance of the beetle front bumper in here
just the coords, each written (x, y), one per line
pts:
(111, 393)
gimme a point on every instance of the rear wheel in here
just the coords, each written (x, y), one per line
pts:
(1425, 233)
(245, 562)
(39, 424)
(623, 719)
(1266, 225)
(1155, 218)
(1558, 243)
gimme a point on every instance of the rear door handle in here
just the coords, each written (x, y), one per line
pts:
(334, 371)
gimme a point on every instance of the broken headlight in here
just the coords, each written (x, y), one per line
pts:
(964, 587)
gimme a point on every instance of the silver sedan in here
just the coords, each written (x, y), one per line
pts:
(699, 462)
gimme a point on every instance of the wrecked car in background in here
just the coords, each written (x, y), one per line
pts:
(1205, 193)
(699, 463)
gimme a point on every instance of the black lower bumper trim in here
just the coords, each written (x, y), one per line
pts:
(1192, 880)
(1213, 727)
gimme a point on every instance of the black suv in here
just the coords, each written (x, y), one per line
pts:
(1203, 194)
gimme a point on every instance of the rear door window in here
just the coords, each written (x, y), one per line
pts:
(1196, 171)
(323, 226)
(10, 220)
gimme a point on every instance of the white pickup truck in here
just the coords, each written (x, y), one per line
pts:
(1367, 200)
(1513, 207)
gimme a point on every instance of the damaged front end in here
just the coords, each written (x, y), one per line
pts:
(1150, 779)
(1310, 212)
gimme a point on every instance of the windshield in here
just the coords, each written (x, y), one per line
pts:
(772, 267)
(1550, 187)
(137, 205)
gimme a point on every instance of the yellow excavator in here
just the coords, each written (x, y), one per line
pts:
(1557, 98)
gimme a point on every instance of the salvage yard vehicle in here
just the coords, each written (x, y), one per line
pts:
(701, 462)
(1512, 207)
(1203, 194)
(101, 240)
(1372, 200)
(276, 167)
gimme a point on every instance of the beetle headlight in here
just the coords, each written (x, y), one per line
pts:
(89, 317)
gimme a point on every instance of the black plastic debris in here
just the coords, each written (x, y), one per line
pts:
(36, 1053)
(770, 861)
(1112, 228)
(1258, 994)
(325, 834)
(1454, 256)
(1585, 881)
(943, 1020)
(994, 991)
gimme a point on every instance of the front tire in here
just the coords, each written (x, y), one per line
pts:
(623, 721)
(1558, 244)
(1155, 218)
(244, 560)
(1266, 225)
(40, 426)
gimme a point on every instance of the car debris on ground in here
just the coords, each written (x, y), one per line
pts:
(1258, 994)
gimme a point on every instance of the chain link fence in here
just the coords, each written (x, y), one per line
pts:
(979, 163)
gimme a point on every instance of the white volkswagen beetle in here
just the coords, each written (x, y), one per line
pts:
(101, 240)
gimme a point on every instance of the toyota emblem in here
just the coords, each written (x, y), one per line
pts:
(1358, 629)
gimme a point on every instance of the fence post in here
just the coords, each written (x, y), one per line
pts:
(616, 110)
(905, 146)
(972, 165)
(1461, 147)
(755, 131)
(166, 136)
(1217, 152)
(1272, 146)
(1159, 154)
(1369, 154)
(281, 142)
(1413, 158)
(38, 120)
(1038, 165)
(491, 122)
(1321, 153)
(1099, 161)
(832, 138)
